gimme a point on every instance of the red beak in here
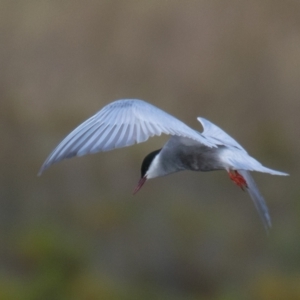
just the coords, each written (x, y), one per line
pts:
(140, 184)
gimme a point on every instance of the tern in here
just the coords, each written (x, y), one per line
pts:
(126, 122)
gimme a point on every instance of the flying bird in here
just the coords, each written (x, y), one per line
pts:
(126, 122)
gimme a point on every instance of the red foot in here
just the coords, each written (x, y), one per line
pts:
(238, 179)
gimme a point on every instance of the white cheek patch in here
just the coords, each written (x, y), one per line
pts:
(155, 168)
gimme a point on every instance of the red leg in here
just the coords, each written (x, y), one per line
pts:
(238, 179)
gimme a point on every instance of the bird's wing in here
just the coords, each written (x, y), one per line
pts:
(257, 198)
(234, 155)
(119, 124)
(216, 135)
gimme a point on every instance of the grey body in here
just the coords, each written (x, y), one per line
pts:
(180, 154)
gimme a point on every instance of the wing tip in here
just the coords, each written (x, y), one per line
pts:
(267, 223)
(44, 167)
(41, 170)
(202, 121)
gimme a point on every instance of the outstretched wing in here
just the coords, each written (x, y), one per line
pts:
(257, 199)
(119, 124)
(216, 135)
(234, 154)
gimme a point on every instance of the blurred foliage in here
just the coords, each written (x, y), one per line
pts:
(77, 232)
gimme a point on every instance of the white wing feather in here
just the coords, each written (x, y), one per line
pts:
(216, 135)
(119, 124)
(257, 199)
(233, 155)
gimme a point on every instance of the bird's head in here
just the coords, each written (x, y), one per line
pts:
(149, 169)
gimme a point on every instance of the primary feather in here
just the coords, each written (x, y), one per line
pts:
(119, 124)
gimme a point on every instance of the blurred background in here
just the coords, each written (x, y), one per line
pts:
(77, 232)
